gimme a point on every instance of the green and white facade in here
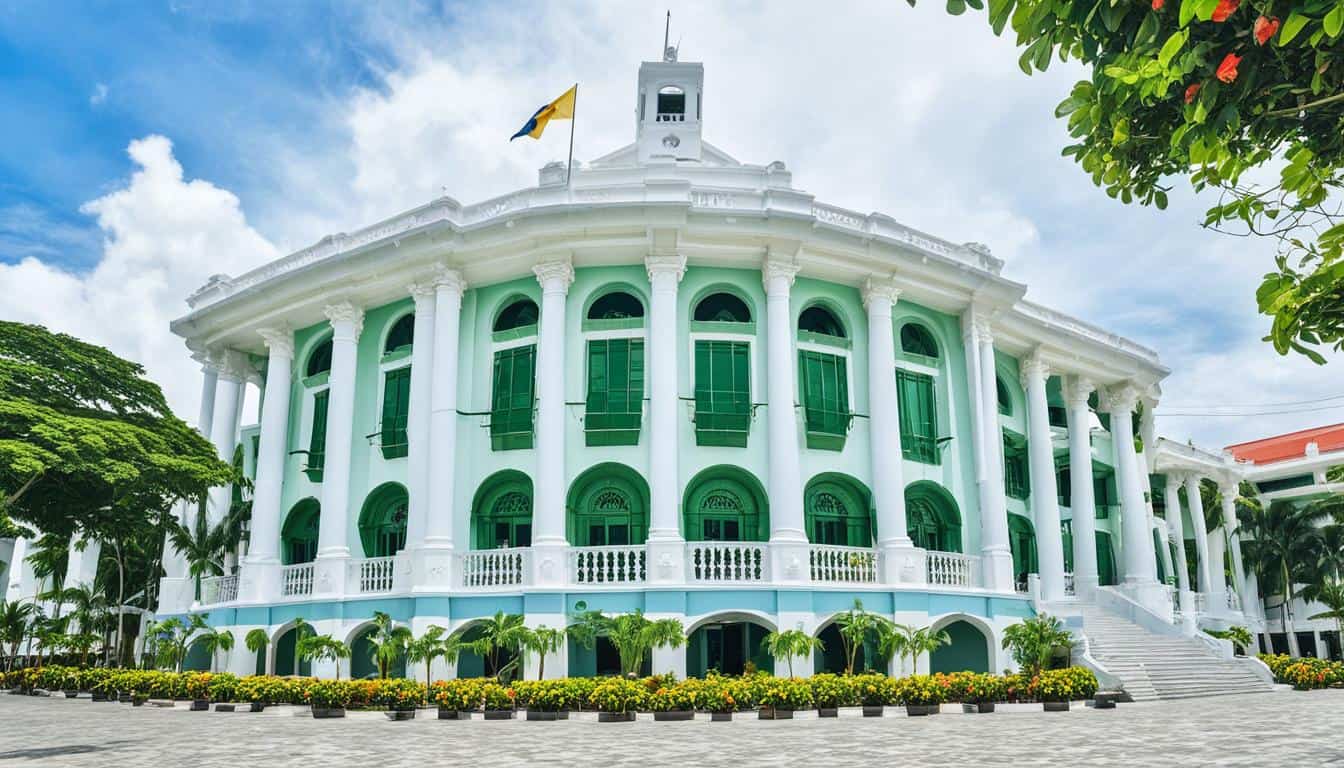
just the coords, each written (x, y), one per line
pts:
(673, 382)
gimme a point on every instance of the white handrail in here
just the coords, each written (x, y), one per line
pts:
(727, 561)
(505, 567)
(375, 574)
(607, 565)
(296, 580)
(952, 569)
(832, 564)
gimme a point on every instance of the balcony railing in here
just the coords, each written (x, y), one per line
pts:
(1069, 588)
(1201, 602)
(374, 574)
(1233, 601)
(607, 565)
(495, 567)
(296, 580)
(843, 565)
(726, 561)
(951, 569)
(219, 589)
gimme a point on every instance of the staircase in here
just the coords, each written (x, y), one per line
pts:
(1162, 667)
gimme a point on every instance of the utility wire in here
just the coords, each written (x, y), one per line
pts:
(1164, 414)
(1267, 405)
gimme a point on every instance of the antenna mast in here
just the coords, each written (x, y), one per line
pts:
(666, 30)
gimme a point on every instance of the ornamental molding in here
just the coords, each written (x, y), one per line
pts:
(1077, 391)
(422, 293)
(880, 293)
(232, 365)
(665, 264)
(1033, 369)
(280, 341)
(346, 318)
(555, 276)
(773, 270)
(449, 279)
(1121, 399)
(984, 331)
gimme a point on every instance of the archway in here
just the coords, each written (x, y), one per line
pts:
(197, 658)
(362, 663)
(838, 511)
(382, 521)
(831, 657)
(727, 645)
(286, 654)
(501, 512)
(1022, 542)
(931, 517)
(298, 536)
(608, 505)
(968, 651)
(602, 660)
(725, 503)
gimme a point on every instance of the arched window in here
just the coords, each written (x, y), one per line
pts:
(819, 320)
(671, 104)
(725, 504)
(502, 512)
(382, 521)
(319, 360)
(617, 305)
(1022, 542)
(519, 314)
(931, 517)
(722, 308)
(1005, 401)
(298, 536)
(837, 513)
(916, 340)
(608, 506)
(401, 335)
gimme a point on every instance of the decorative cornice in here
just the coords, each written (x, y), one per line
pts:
(1077, 391)
(773, 270)
(880, 293)
(665, 264)
(280, 341)
(554, 275)
(346, 318)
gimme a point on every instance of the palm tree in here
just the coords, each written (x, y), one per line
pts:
(925, 640)
(433, 645)
(541, 641)
(1331, 595)
(1034, 641)
(790, 643)
(87, 604)
(14, 617)
(503, 633)
(1283, 545)
(387, 642)
(856, 626)
(49, 559)
(323, 648)
(214, 640)
(636, 636)
(49, 634)
(202, 545)
(256, 642)
(301, 630)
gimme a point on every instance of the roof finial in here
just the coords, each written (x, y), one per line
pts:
(669, 53)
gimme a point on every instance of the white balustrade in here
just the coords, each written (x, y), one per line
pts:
(374, 574)
(1201, 602)
(726, 561)
(1069, 588)
(844, 565)
(219, 589)
(504, 567)
(296, 580)
(952, 569)
(1233, 601)
(607, 565)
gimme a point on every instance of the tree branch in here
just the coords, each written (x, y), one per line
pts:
(1292, 111)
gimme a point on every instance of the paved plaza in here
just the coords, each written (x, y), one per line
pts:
(1279, 729)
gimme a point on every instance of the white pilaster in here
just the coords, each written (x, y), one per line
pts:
(1044, 489)
(1203, 571)
(996, 557)
(417, 414)
(787, 538)
(885, 456)
(432, 567)
(1082, 500)
(666, 550)
(260, 578)
(548, 516)
(333, 550)
(1140, 560)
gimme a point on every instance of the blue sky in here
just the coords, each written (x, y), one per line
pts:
(150, 145)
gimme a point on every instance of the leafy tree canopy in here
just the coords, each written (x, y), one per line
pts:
(1223, 91)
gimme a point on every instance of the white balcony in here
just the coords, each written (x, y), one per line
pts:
(219, 589)
(607, 565)
(727, 562)
(952, 569)
(843, 565)
(296, 580)
(493, 568)
(373, 575)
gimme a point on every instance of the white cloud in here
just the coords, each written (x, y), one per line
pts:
(99, 94)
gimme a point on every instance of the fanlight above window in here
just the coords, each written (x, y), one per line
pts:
(722, 308)
(319, 361)
(616, 305)
(916, 340)
(519, 314)
(822, 321)
(401, 335)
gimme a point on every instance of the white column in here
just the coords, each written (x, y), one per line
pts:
(1244, 583)
(900, 561)
(1082, 500)
(333, 550)
(665, 545)
(209, 380)
(433, 564)
(1140, 560)
(224, 427)
(1177, 526)
(787, 537)
(996, 557)
(548, 515)
(417, 414)
(260, 579)
(1202, 569)
(1044, 489)
(1161, 533)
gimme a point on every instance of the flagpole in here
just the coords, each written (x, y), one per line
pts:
(569, 169)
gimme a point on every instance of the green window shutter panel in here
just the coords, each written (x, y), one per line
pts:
(396, 407)
(919, 417)
(825, 399)
(615, 391)
(512, 398)
(317, 444)
(722, 393)
(1016, 480)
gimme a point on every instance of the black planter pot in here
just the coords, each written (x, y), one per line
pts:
(1105, 701)
(448, 713)
(1055, 706)
(674, 716)
(562, 714)
(124, 698)
(720, 717)
(615, 717)
(499, 714)
(396, 715)
(537, 716)
(226, 708)
(982, 708)
(872, 711)
(256, 706)
(774, 713)
(100, 695)
(70, 694)
(327, 713)
(200, 705)
(921, 710)
(828, 711)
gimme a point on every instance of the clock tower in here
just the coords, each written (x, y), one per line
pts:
(667, 115)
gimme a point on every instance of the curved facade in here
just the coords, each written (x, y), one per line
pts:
(677, 383)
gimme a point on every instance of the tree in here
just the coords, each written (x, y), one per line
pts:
(387, 642)
(87, 605)
(1221, 91)
(789, 644)
(301, 629)
(14, 618)
(49, 634)
(433, 645)
(49, 560)
(173, 637)
(82, 643)
(906, 640)
(1281, 544)
(323, 648)
(215, 640)
(541, 641)
(1331, 595)
(857, 626)
(632, 634)
(501, 634)
(256, 641)
(1034, 641)
(202, 545)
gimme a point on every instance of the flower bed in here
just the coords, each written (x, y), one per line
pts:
(1304, 674)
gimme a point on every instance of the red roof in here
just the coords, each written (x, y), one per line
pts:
(1290, 446)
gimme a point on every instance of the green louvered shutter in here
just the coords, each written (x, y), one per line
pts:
(512, 399)
(919, 417)
(722, 393)
(396, 407)
(615, 391)
(317, 444)
(825, 399)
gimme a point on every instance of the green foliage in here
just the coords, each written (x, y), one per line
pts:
(323, 648)
(387, 642)
(786, 693)
(789, 644)
(1068, 684)
(543, 640)
(15, 621)
(633, 635)
(1216, 90)
(857, 625)
(1240, 636)
(617, 694)
(1035, 641)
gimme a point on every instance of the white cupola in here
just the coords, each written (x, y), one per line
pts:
(668, 117)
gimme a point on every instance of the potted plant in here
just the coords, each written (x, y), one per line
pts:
(977, 692)
(70, 685)
(830, 692)
(457, 699)
(198, 688)
(922, 694)
(329, 698)
(781, 696)
(1056, 687)
(617, 699)
(401, 697)
(499, 701)
(875, 692)
(673, 703)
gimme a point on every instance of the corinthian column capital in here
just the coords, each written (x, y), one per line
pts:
(280, 341)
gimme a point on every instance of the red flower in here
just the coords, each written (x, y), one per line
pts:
(1225, 8)
(1265, 29)
(1192, 92)
(1227, 71)
(1157, 4)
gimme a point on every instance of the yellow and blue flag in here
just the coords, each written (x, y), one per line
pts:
(560, 109)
